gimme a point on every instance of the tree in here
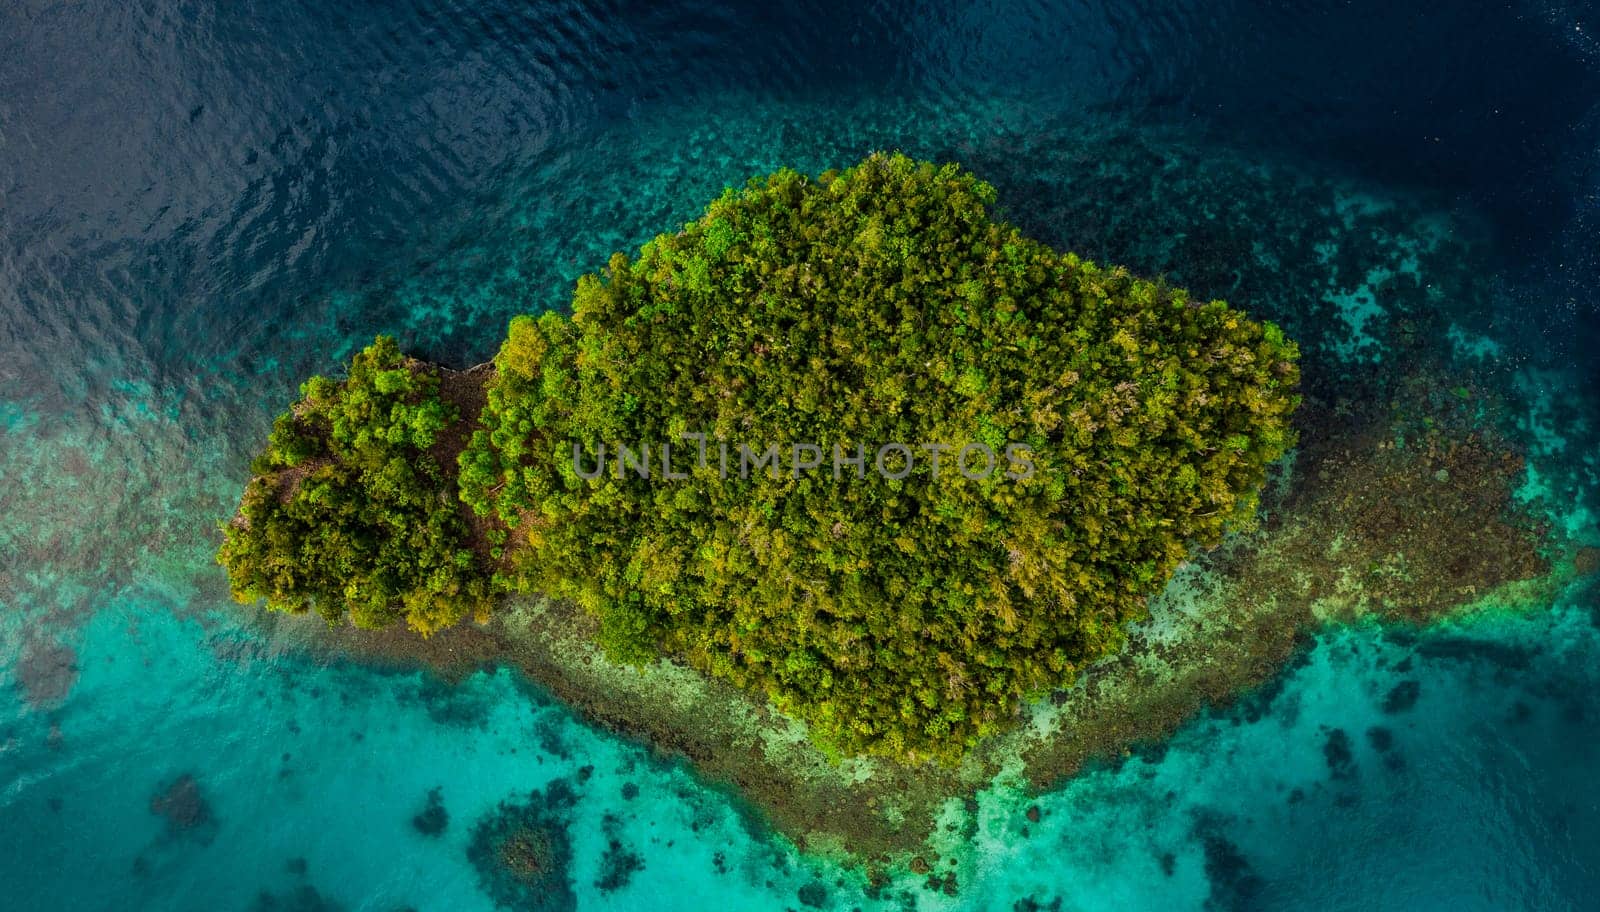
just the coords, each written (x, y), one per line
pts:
(350, 514)
(876, 306)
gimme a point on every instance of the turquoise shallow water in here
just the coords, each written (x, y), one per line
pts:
(201, 206)
(1453, 770)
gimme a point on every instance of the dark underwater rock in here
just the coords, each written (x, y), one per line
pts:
(433, 819)
(182, 805)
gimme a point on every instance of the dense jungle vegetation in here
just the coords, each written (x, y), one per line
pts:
(349, 513)
(902, 606)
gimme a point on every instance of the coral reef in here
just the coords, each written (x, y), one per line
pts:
(183, 806)
(433, 819)
(618, 863)
(47, 672)
(1358, 526)
(522, 852)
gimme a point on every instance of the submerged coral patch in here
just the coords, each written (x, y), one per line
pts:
(619, 862)
(523, 853)
(433, 819)
(46, 672)
(184, 807)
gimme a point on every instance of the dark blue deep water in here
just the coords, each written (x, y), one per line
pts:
(201, 203)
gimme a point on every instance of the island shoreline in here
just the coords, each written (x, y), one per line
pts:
(1225, 626)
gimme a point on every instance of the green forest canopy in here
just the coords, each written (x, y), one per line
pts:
(876, 305)
(350, 511)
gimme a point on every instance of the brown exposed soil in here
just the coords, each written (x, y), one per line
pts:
(467, 392)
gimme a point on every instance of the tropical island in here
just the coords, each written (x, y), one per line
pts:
(962, 466)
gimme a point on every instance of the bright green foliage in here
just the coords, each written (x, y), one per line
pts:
(877, 305)
(350, 513)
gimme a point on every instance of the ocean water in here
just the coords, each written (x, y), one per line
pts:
(200, 204)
